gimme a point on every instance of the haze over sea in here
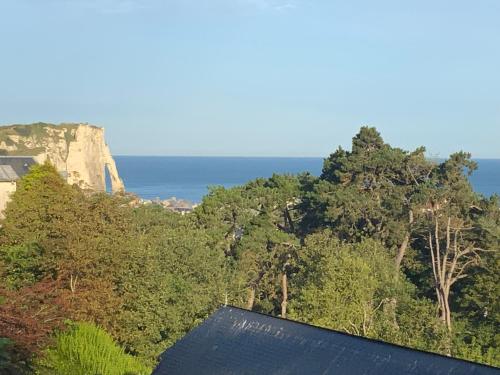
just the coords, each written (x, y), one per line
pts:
(185, 177)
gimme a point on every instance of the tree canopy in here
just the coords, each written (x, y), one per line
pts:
(385, 243)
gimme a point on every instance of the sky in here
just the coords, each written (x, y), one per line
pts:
(257, 77)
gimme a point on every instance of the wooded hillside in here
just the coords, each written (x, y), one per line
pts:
(385, 244)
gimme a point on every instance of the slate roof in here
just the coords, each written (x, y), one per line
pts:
(7, 173)
(236, 341)
(20, 164)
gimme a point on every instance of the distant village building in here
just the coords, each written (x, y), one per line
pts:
(12, 168)
(234, 341)
(178, 205)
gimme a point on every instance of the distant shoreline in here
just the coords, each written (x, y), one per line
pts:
(187, 177)
(249, 157)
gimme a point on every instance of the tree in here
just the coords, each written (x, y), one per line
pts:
(338, 289)
(371, 191)
(452, 228)
(53, 231)
(256, 224)
(41, 199)
(265, 260)
(28, 317)
(350, 287)
(173, 280)
(477, 306)
(224, 212)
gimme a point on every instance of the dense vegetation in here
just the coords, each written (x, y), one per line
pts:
(384, 244)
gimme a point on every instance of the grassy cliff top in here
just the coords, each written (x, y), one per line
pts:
(37, 128)
(36, 131)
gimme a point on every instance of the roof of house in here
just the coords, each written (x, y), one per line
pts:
(20, 164)
(7, 173)
(236, 341)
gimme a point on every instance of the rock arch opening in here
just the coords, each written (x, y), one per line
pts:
(107, 180)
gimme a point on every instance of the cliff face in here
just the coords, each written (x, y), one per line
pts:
(78, 151)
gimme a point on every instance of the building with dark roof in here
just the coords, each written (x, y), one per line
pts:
(11, 169)
(20, 164)
(7, 173)
(236, 341)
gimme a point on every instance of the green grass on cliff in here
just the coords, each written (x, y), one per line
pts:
(36, 131)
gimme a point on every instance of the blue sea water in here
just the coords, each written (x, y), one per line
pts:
(162, 177)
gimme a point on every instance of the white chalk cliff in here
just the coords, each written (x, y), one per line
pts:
(78, 151)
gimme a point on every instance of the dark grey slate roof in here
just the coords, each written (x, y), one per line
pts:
(7, 173)
(236, 341)
(20, 164)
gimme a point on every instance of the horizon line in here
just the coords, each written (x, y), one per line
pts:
(265, 156)
(224, 156)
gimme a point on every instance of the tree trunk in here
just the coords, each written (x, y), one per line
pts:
(288, 219)
(284, 290)
(389, 309)
(441, 304)
(448, 266)
(444, 307)
(251, 298)
(72, 283)
(402, 251)
(447, 310)
(404, 245)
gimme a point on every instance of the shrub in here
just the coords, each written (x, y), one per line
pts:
(10, 361)
(87, 349)
(4, 353)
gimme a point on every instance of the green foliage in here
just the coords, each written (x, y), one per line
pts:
(173, 281)
(52, 230)
(478, 304)
(21, 264)
(338, 289)
(348, 250)
(10, 361)
(256, 225)
(5, 357)
(354, 288)
(371, 191)
(41, 199)
(86, 349)
(477, 342)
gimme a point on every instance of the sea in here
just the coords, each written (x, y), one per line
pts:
(188, 177)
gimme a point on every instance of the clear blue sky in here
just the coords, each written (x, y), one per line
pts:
(256, 77)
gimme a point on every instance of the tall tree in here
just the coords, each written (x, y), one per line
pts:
(255, 224)
(453, 228)
(371, 190)
(54, 231)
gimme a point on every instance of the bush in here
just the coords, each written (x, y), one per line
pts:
(4, 353)
(86, 349)
(10, 362)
